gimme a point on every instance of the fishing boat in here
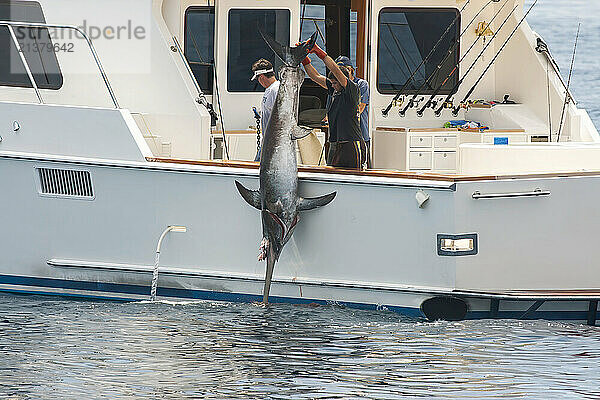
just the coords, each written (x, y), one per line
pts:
(123, 123)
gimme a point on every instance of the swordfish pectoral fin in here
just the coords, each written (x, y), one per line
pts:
(252, 197)
(300, 132)
(315, 202)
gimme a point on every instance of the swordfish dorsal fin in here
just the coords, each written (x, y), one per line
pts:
(252, 197)
(291, 56)
(315, 202)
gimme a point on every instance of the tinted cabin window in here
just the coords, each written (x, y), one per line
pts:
(199, 44)
(247, 46)
(35, 43)
(314, 20)
(406, 37)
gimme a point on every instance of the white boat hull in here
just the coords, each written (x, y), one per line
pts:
(372, 248)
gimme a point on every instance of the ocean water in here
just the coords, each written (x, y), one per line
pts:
(61, 349)
(53, 348)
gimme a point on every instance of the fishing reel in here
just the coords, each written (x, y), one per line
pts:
(446, 105)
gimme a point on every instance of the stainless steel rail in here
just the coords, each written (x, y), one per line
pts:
(535, 193)
(11, 24)
(201, 97)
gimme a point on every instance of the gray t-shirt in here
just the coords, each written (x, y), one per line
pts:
(268, 102)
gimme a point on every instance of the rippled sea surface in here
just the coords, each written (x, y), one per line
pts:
(58, 349)
(53, 348)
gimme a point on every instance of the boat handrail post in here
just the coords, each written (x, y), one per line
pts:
(11, 24)
(26, 64)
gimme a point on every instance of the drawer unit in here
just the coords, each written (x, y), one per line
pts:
(444, 160)
(419, 160)
(445, 142)
(421, 141)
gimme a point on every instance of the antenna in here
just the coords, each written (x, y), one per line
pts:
(567, 95)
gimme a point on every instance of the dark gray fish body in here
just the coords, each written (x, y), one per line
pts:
(277, 198)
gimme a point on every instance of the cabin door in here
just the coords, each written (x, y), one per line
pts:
(239, 45)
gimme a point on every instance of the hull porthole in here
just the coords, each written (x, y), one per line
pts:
(444, 308)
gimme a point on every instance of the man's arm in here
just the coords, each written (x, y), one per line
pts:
(314, 74)
(330, 64)
(364, 95)
(335, 69)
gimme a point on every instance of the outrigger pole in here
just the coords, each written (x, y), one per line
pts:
(567, 95)
(455, 88)
(450, 50)
(389, 107)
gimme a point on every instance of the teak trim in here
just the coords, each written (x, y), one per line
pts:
(375, 172)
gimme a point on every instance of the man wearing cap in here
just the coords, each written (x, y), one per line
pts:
(265, 75)
(347, 148)
(363, 106)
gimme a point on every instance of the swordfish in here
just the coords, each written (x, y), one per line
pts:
(277, 199)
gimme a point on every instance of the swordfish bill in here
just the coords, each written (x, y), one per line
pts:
(277, 199)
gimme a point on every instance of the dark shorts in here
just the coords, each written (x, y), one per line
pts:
(348, 155)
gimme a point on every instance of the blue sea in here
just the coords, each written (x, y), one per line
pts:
(54, 348)
(557, 21)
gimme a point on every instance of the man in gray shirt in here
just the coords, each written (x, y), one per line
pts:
(265, 75)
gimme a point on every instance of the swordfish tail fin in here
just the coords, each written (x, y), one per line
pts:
(291, 56)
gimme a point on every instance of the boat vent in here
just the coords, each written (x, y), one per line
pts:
(66, 182)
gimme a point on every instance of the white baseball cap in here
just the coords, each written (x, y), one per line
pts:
(260, 72)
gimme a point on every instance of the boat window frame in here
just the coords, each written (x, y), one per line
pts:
(214, 35)
(54, 62)
(457, 51)
(277, 64)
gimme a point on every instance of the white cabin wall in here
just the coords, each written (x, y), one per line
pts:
(237, 107)
(146, 76)
(522, 73)
(486, 89)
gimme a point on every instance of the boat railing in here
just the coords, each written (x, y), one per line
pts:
(12, 24)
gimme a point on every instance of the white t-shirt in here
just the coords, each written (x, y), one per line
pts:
(268, 102)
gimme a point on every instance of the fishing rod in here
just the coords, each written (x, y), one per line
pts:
(414, 73)
(457, 108)
(455, 88)
(450, 51)
(567, 95)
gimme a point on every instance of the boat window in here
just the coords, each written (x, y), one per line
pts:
(406, 37)
(200, 44)
(36, 46)
(314, 20)
(246, 44)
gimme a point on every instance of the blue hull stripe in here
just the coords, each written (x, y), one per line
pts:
(116, 291)
(125, 289)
